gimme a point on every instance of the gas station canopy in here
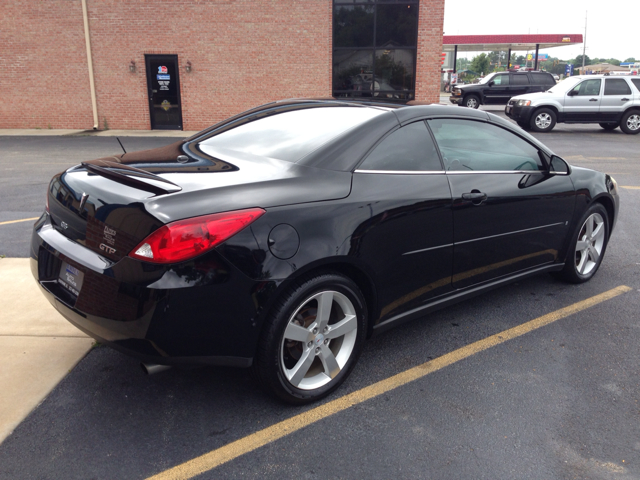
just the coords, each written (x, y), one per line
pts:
(476, 43)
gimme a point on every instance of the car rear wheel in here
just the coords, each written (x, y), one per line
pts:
(471, 101)
(609, 126)
(543, 120)
(588, 246)
(630, 123)
(312, 339)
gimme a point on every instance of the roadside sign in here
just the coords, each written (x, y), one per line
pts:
(568, 69)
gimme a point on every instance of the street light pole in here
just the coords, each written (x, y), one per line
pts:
(584, 44)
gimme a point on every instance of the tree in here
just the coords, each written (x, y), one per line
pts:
(480, 63)
(630, 60)
(577, 62)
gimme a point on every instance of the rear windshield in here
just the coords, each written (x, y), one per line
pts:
(292, 135)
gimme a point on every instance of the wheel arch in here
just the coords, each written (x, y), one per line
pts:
(343, 266)
(607, 203)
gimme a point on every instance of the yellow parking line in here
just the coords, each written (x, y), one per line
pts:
(233, 450)
(630, 187)
(17, 221)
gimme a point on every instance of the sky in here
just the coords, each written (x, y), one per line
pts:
(612, 25)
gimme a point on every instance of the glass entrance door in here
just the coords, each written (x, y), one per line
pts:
(163, 87)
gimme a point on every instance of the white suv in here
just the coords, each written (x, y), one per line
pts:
(609, 101)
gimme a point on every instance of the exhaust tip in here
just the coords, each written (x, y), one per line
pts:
(152, 368)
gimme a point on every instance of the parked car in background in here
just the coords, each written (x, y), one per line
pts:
(281, 238)
(608, 101)
(497, 88)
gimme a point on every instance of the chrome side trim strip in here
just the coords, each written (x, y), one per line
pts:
(512, 233)
(430, 248)
(520, 172)
(402, 172)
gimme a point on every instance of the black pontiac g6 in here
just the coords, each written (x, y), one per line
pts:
(283, 237)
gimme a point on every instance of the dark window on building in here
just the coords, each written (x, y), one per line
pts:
(616, 86)
(375, 44)
(408, 149)
(519, 80)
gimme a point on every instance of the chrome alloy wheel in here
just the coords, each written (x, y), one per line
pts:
(633, 122)
(318, 340)
(590, 244)
(472, 102)
(543, 120)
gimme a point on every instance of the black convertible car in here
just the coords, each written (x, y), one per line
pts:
(283, 237)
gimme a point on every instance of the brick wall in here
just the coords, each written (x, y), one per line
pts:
(430, 23)
(243, 53)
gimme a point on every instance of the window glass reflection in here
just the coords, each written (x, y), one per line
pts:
(352, 71)
(394, 70)
(396, 25)
(353, 26)
(290, 135)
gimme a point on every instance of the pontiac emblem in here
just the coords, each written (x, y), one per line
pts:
(83, 201)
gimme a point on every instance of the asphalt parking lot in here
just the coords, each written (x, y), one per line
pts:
(558, 401)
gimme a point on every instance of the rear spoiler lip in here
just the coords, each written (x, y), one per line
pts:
(125, 174)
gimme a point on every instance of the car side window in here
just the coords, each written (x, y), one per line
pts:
(410, 148)
(616, 86)
(588, 87)
(543, 79)
(468, 145)
(519, 80)
(501, 80)
(636, 82)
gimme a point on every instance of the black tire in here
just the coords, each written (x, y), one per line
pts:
(577, 255)
(609, 126)
(278, 358)
(630, 122)
(543, 120)
(471, 101)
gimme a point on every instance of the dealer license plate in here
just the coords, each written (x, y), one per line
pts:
(70, 278)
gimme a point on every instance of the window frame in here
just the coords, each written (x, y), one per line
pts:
(613, 81)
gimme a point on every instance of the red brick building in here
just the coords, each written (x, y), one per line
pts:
(221, 57)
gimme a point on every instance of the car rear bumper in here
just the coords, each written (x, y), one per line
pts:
(199, 312)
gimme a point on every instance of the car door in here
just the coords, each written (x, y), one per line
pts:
(497, 92)
(509, 213)
(406, 237)
(582, 102)
(617, 97)
(518, 84)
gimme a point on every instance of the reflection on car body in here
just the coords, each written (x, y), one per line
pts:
(297, 229)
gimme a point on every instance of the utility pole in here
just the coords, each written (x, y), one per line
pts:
(584, 44)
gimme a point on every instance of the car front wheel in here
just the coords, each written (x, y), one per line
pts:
(471, 101)
(588, 246)
(312, 339)
(543, 120)
(630, 122)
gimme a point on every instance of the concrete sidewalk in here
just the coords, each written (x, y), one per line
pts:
(38, 347)
(42, 132)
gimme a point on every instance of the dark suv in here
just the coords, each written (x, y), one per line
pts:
(497, 88)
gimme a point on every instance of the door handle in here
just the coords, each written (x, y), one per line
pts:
(476, 197)
(593, 99)
(624, 99)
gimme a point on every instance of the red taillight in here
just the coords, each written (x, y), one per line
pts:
(185, 239)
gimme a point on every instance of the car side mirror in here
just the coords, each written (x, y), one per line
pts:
(557, 166)
(491, 83)
(573, 93)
